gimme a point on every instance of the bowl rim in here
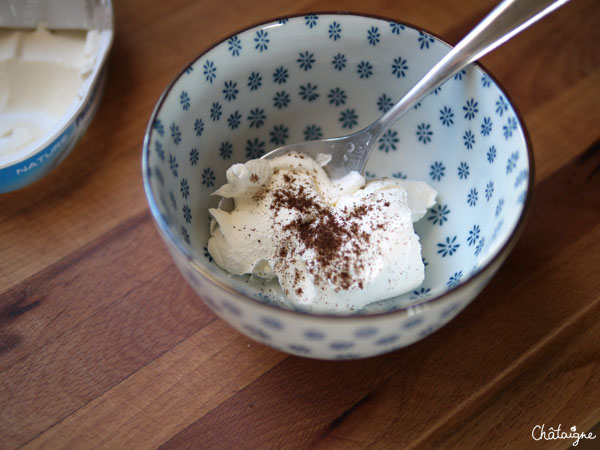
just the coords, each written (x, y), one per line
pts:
(95, 76)
(190, 256)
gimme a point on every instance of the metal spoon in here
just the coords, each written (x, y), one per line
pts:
(351, 152)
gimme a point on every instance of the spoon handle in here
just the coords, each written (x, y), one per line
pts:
(502, 23)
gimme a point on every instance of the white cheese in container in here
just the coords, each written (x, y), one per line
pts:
(43, 78)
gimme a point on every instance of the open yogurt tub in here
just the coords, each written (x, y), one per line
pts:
(52, 74)
(325, 75)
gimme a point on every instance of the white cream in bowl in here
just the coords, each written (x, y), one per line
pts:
(334, 247)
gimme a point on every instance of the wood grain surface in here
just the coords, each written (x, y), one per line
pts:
(103, 344)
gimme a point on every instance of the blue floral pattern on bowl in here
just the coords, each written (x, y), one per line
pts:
(326, 75)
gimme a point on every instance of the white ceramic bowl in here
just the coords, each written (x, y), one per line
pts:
(38, 160)
(327, 75)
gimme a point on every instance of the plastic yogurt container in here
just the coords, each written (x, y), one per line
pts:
(52, 74)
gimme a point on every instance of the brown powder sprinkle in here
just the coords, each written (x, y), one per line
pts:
(295, 199)
(254, 178)
(260, 195)
(336, 240)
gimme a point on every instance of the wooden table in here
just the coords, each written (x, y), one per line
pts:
(103, 344)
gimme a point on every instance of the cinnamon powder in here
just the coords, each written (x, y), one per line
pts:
(335, 239)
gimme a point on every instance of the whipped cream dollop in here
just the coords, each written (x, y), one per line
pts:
(334, 246)
(42, 74)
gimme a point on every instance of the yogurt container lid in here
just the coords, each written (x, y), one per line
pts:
(57, 14)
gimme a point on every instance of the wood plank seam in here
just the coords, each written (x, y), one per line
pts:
(511, 371)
